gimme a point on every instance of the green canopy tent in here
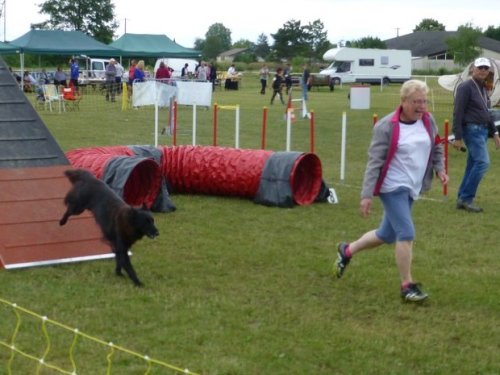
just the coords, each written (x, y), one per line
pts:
(152, 45)
(61, 42)
(6, 48)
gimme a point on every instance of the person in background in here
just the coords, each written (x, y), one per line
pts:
(306, 82)
(44, 77)
(264, 76)
(29, 82)
(60, 77)
(213, 75)
(288, 77)
(74, 73)
(231, 71)
(472, 123)
(185, 71)
(118, 78)
(163, 72)
(277, 85)
(131, 74)
(202, 72)
(110, 80)
(404, 152)
(139, 72)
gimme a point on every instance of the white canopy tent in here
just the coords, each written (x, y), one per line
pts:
(450, 82)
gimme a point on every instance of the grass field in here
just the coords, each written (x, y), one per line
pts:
(237, 288)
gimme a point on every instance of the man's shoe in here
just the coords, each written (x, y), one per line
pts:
(469, 207)
(342, 260)
(412, 293)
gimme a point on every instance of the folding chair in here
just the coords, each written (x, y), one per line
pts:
(72, 98)
(51, 95)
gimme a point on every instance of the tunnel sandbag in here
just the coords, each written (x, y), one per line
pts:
(137, 180)
(290, 178)
(214, 170)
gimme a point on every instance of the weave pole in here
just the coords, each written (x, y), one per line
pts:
(446, 146)
(343, 147)
(194, 125)
(311, 131)
(264, 125)
(215, 125)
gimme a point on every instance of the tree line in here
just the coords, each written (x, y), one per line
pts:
(293, 39)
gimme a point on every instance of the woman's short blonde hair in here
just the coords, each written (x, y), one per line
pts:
(410, 87)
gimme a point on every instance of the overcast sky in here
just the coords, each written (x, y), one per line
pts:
(185, 21)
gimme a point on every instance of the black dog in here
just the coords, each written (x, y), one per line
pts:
(121, 224)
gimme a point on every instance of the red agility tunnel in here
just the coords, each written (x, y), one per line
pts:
(136, 179)
(281, 179)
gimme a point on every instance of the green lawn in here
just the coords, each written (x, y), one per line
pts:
(237, 288)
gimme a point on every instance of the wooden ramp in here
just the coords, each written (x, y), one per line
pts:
(31, 204)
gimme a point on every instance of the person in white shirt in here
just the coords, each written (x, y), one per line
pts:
(404, 153)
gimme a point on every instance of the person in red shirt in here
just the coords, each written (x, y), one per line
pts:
(163, 73)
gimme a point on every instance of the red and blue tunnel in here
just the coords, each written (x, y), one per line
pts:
(145, 174)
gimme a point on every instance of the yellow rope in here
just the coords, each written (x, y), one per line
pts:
(77, 333)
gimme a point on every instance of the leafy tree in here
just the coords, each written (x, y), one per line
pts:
(316, 38)
(464, 46)
(429, 24)
(217, 40)
(290, 40)
(262, 48)
(93, 17)
(367, 42)
(493, 32)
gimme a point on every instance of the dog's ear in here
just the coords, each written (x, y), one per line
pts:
(144, 207)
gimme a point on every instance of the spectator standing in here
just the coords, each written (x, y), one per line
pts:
(277, 85)
(232, 70)
(118, 78)
(306, 82)
(131, 74)
(110, 80)
(472, 123)
(185, 71)
(213, 75)
(163, 72)
(202, 72)
(403, 154)
(288, 77)
(264, 76)
(139, 72)
(74, 73)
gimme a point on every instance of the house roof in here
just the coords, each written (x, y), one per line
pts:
(433, 43)
(60, 42)
(152, 45)
(232, 52)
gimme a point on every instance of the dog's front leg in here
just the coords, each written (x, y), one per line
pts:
(119, 262)
(124, 261)
(64, 218)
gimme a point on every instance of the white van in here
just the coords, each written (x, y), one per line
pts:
(367, 65)
(94, 70)
(177, 65)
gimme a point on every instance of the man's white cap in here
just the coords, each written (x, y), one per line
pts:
(113, 60)
(482, 61)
